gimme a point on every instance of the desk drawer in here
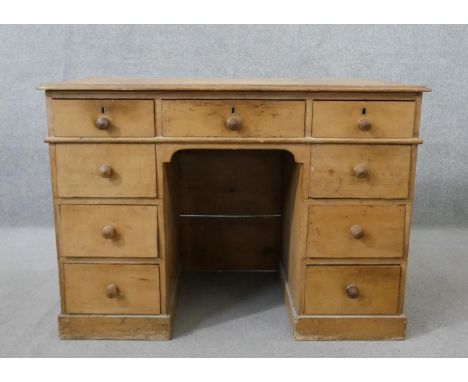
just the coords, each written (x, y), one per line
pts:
(361, 289)
(108, 231)
(232, 118)
(363, 119)
(359, 171)
(355, 231)
(112, 288)
(102, 118)
(106, 170)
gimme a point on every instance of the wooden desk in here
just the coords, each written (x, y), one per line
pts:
(154, 177)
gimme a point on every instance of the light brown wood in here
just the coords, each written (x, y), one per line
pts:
(244, 141)
(116, 201)
(417, 115)
(409, 214)
(254, 118)
(342, 327)
(357, 231)
(106, 171)
(183, 84)
(133, 170)
(111, 260)
(325, 289)
(102, 118)
(308, 117)
(330, 233)
(86, 286)
(112, 291)
(109, 327)
(170, 239)
(108, 231)
(363, 119)
(294, 221)
(53, 176)
(370, 328)
(389, 95)
(48, 103)
(352, 261)
(298, 177)
(332, 172)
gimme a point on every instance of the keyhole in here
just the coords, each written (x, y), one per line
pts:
(233, 110)
(103, 111)
(364, 111)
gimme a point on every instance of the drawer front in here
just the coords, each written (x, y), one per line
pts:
(361, 289)
(111, 288)
(355, 231)
(232, 118)
(106, 170)
(363, 119)
(359, 171)
(108, 231)
(102, 118)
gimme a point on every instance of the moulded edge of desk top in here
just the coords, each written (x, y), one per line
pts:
(287, 85)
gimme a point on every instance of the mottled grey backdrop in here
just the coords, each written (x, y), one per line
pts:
(436, 56)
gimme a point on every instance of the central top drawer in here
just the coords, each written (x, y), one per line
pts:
(233, 118)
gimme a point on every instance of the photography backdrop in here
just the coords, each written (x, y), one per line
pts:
(436, 56)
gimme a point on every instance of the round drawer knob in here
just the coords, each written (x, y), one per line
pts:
(108, 232)
(361, 172)
(103, 123)
(106, 171)
(233, 123)
(357, 231)
(352, 291)
(112, 291)
(364, 124)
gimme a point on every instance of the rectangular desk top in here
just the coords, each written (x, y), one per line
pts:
(136, 84)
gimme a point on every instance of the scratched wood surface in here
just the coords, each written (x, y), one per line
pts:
(257, 118)
(126, 118)
(281, 185)
(329, 231)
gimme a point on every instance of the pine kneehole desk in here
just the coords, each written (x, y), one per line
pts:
(313, 179)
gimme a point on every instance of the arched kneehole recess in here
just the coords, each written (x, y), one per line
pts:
(229, 209)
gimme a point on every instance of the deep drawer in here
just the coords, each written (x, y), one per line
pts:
(106, 170)
(360, 289)
(356, 231)
(359, 171)
(108, 231)
(111, 288)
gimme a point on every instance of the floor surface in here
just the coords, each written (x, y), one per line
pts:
(235, 314)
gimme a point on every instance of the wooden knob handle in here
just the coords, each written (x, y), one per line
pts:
(103, 123)
(108, 232)
(357, 231)
(106, 171)
(233, 123)
(361, 172)
(352, 291)
(112, 291)
(364, 124)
